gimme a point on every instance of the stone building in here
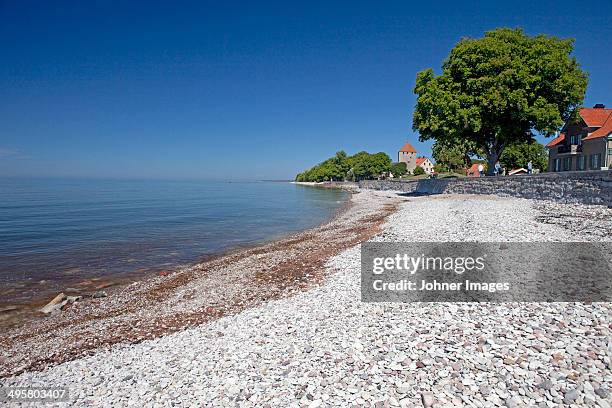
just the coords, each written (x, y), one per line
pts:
(583, 144)
(407, 154)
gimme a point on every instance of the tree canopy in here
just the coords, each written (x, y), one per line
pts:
(399, 169)
(498, 90)
(362, 165)
(418, 171)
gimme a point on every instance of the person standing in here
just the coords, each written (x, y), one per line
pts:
(529, 167)
(481, 169)
(497, 168)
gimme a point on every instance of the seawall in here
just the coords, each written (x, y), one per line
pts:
(585, 187)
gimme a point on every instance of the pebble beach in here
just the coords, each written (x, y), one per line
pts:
(308, 341)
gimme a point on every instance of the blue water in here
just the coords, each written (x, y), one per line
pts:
(59, 229)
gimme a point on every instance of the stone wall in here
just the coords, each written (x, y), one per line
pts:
(587, 187)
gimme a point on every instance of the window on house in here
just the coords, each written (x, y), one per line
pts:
(595, 160)
(567, 163)
(557, 164)
(580, 163)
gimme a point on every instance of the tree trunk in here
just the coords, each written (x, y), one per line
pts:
(493, 156)
(491, 160)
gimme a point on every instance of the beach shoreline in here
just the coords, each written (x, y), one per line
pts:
(22, 298)
(325, 347)
(159, 304)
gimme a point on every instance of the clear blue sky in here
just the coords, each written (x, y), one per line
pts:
(239, 90)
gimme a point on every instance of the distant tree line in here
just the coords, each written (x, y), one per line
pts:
(361, 166)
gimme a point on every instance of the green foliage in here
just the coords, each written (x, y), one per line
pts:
(440, 168)
(362, 165)
(418, 171)
(497, 90)
(399, 169)
(518, 155)
(334, 168)
(370, 165)
(453, 155)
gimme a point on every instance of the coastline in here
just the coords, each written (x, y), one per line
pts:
(223, 285)
(324, 347)
(349, 186)
(21, 299)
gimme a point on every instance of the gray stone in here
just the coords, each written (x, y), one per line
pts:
(511, 402)
(55, 304)
(570, 396)
(546, 385)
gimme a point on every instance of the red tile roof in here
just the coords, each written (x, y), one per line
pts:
(603, 131)
(473, 170)
(556, 140)
(595, 117)
(420, 160)
(408, 148)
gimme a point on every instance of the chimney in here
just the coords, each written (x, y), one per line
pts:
(599, 106)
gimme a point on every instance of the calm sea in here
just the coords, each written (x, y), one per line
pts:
(55, 230)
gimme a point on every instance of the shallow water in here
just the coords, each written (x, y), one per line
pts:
(65, 230)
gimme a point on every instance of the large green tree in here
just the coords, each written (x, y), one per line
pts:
(498, 90)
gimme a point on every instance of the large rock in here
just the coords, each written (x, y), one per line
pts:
(56, 304)
(59, 302)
